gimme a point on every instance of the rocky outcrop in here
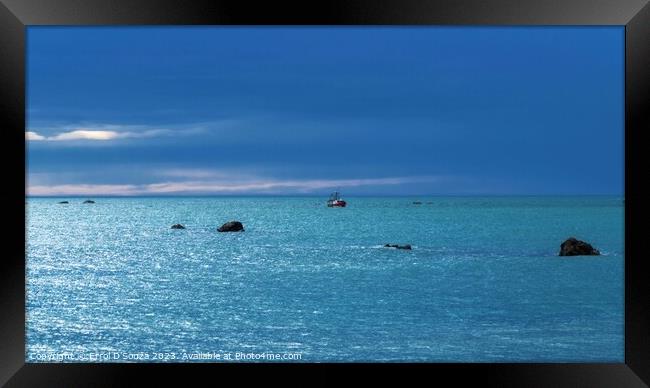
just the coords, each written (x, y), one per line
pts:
(417, 203)
(89, 201)
(232, 226)
(406, 246)
(178, 226)
(575, 247)
(64, 202)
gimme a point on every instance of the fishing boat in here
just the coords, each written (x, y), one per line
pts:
(335, 200)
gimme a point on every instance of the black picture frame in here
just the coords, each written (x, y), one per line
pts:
(16, 15)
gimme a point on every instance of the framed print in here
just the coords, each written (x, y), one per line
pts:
(443, 187)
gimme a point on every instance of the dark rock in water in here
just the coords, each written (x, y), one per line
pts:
(417, 203)
(178, 226)
(64, 202)
(89, 201)
(574, 247)
(407, 246)
(232, 226)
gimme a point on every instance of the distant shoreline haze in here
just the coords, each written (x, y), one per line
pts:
(325, 195)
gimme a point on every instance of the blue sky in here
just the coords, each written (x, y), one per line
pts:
(305, 110)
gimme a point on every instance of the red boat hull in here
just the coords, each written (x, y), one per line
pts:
(338, 203)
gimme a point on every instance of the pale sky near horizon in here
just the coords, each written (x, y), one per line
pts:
(306, 110)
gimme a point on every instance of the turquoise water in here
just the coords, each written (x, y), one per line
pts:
(483, 282)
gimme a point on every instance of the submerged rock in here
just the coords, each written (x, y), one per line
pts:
(232, 226)
(89, 201)
(406, 246)
(417, 203)
(575, 247)
(178, 226)
(64, 202)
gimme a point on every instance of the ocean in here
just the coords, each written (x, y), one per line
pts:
(112, 282)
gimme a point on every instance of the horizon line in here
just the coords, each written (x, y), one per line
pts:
(324, 195)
